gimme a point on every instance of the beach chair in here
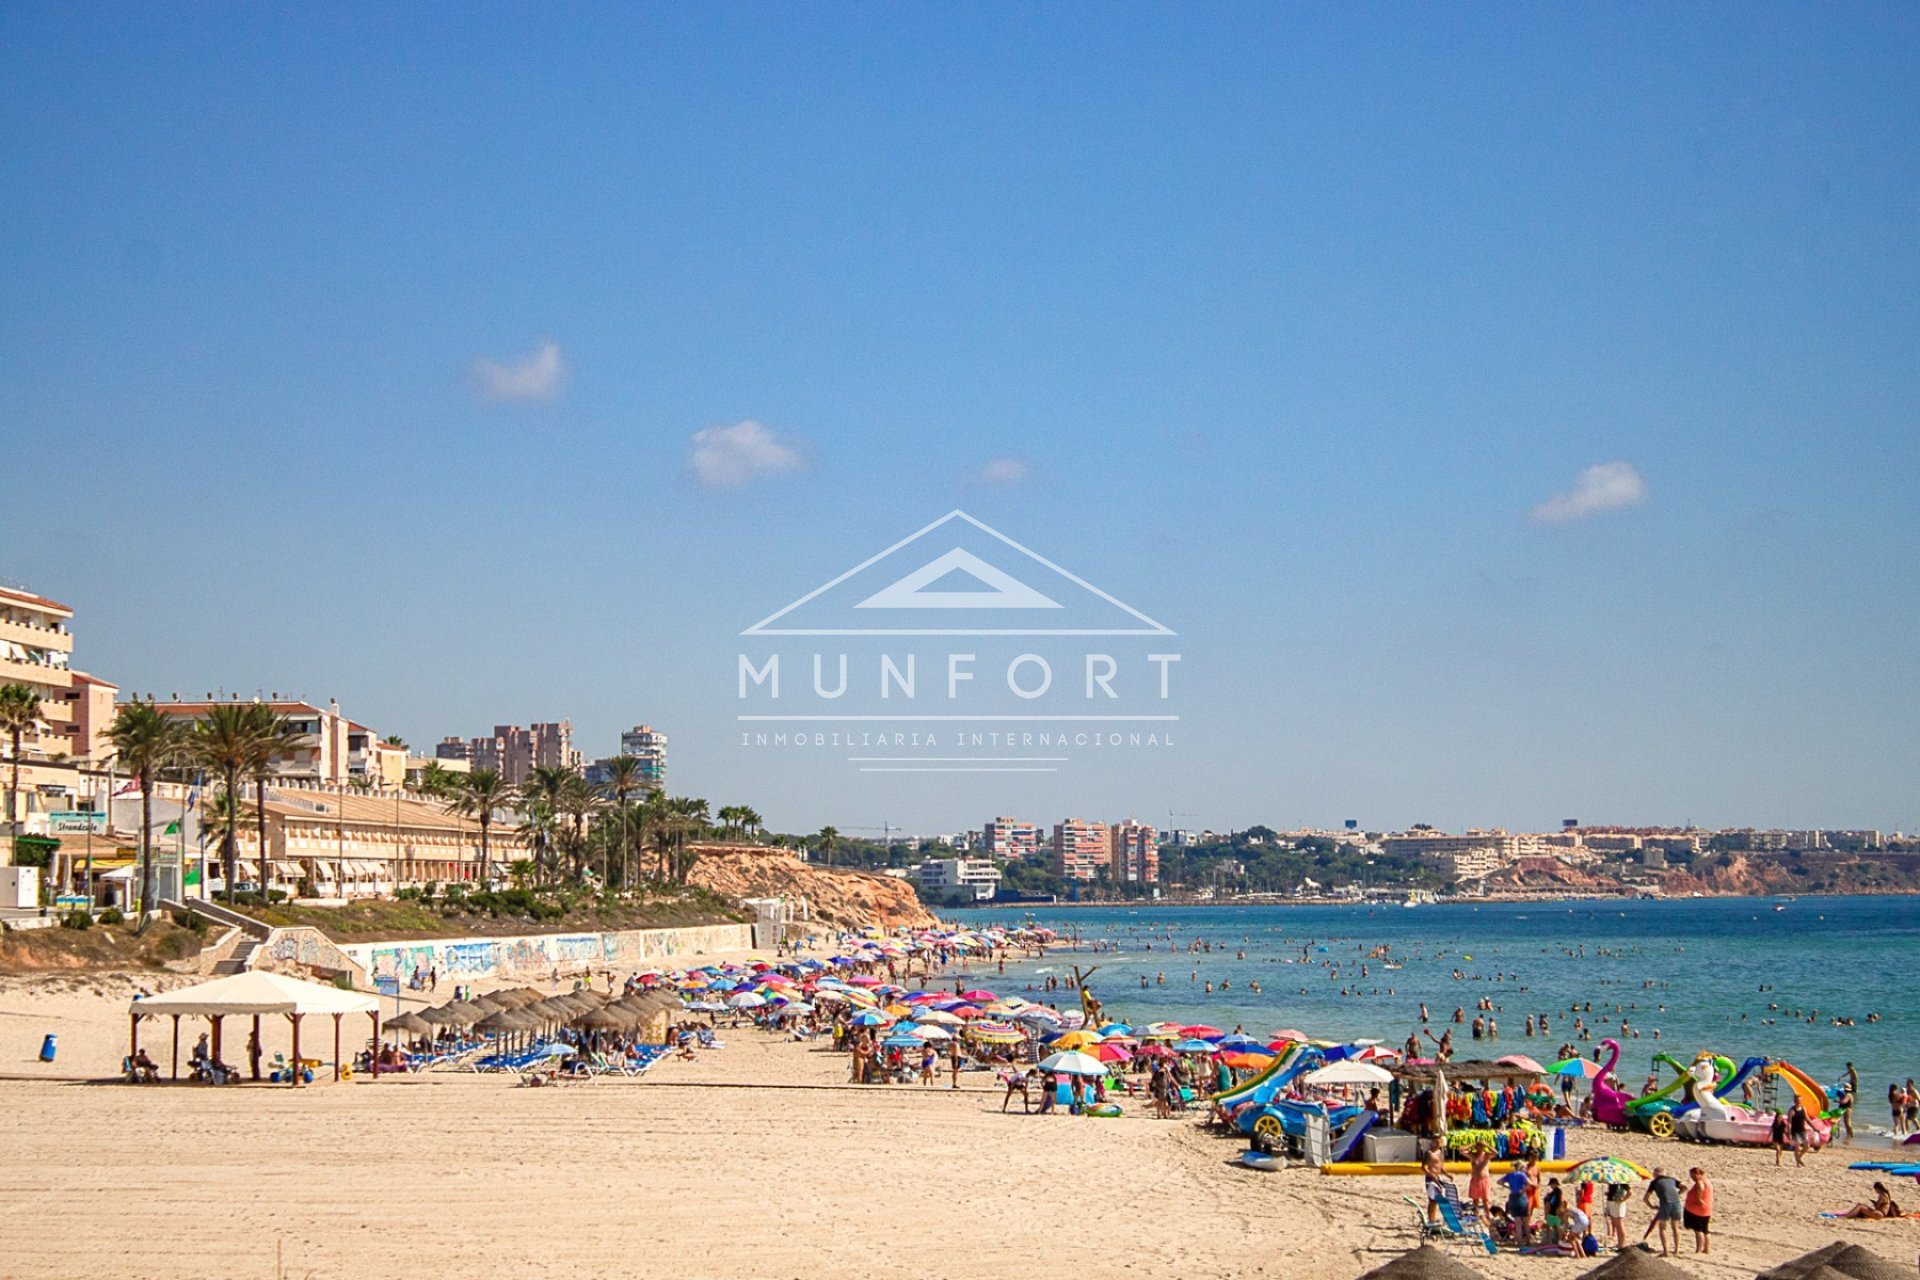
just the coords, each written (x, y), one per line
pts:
(1457, 1221)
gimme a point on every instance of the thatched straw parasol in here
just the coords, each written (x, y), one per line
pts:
(1635, 1264)
(1860, 1263)
(462, 1014)
(603, 1020)
(1423, 1263)
(407, 1022)
(1795, 1268)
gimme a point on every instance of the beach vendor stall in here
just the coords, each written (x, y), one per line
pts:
(1477, 1103)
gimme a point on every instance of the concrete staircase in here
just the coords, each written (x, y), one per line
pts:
(251, 934)
(239, 960)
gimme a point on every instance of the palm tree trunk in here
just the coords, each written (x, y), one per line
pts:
(13, 788)
(146, 846)
(486, 849)
(230, 843)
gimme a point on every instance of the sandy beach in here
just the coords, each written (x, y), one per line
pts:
(758, 1159)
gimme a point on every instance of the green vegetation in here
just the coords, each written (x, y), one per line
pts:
(457, 912)
(19, 716)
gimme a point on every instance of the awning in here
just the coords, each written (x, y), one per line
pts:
(256, 991)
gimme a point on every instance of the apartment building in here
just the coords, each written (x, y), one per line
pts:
(1133, 853)
(319, 750)
(36, 650)
(513, 751)
(1010, 838)
(1080, 849)
(944, 877)
(649, 746)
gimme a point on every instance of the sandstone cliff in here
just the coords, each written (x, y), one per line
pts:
(834, 898)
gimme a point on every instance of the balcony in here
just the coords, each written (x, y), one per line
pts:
(13, 671)
(35, 636)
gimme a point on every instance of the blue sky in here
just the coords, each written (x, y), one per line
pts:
(362, 353)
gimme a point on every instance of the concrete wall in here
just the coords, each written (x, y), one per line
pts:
(307, 953)
(528, 957)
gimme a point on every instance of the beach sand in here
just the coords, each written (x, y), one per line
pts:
(757, 1160)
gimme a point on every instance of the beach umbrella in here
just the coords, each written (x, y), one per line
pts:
(1423, 1263)
(604, 1020)
(939, 1017)
(870, 1018)
(1240, 1040)
(982, 997)
(1582, 1067)
(747, 1000)
(1073, 1040)
(406, 1022)
(1110, 1051)
(1298, 1037)
(1241, 1061)
(1155, 1050)
(1632, 1264)
(1116, 1029)
(1523, 1062)
(1201, 1031)
(1349, 1072)
(922, 1031)
(1194, 1046)
(1838, 1258)
(1608, 1169)
(1073, 1063)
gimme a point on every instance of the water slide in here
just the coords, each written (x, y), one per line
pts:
(1811, 1095)
(1721, 1121)
(1675, 1090)
(1265, 1084)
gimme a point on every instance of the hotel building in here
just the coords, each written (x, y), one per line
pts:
(36, 650)
(1080, 849)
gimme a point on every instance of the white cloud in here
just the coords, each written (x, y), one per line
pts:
(1606, 486)
(538, 377)
(729, 457)
(1002, 471)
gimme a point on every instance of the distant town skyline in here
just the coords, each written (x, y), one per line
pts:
(1509, 411)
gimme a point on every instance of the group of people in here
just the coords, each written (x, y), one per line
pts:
(1539, 1214)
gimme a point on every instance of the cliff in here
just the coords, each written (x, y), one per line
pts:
(834, 897)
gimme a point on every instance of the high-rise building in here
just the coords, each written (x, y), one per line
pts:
(1079, 849)
(1133, 853)
(649, 746)
(451, 749)
(1010, 838)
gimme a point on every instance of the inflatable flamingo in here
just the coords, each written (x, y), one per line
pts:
(1609, 1103)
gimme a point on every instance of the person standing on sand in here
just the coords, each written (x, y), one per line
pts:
(1797, 1130)
(1479, 1179)
(1913, 1107)
(1777, 1135)
(953, 1061)
(1663, 1197)
(1698, 1211)
(1616, 1213)
(1897, 1104)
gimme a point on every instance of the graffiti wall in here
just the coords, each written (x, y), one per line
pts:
(414, 964)
(306, 953)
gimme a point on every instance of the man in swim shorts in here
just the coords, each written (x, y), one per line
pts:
(1663, 1197)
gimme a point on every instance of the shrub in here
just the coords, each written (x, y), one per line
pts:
(76, 920)
(112, 915)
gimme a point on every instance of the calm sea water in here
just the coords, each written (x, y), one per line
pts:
(1702, 971)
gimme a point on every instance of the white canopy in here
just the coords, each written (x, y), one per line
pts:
(256, 991)
(1347, 1071)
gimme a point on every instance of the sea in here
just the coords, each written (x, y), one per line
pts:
(1734, 976)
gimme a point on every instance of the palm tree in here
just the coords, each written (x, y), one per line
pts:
(750, 819)
(146, 741)
(694, 820)
(544, 787)
(623, 779)
(270, 735)
(435, 780)
(578, 804)
(538, 824)
(225, 743)
(19, 715)
(480, 793)
(828, 837)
